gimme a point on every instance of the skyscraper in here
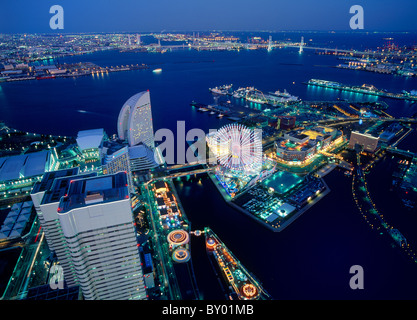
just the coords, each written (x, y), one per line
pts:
(53, 232)
(97, 223)
(135, 120)
(37, 193)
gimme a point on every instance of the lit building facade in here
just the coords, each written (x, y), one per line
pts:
(295, 147)
(300, 145)
(134, 123)
(97, 223)
(368, 142)
(286, 122)
(141, 158)
(117, 161)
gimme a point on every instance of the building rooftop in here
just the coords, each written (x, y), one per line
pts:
(89, 139)
(113, 149)
(49, 177)
(366, 135)
(282, 181)
(299, 136)
(60, 187)
(141, 151)
(24, 165)
(36, 163)
(92, 190)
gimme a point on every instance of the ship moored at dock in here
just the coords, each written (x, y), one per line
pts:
(364, 89)
(241, 284)
(254, 95)
(223, 90)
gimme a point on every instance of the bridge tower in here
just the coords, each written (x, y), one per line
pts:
(270, 43)
(301, 45)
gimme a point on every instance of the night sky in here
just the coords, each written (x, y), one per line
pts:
(28, 16)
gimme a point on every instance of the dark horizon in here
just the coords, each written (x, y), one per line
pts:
(218, 30)
(228, 15)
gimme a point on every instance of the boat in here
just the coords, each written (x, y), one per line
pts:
(211, 113)
(255, 100)
(240, 283)
(220, 115)
(239, 93)
(223, 90)
(279, 96)
(157, 70)
(364, 89)
(45, 77)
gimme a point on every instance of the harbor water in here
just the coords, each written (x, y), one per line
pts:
(308, 260)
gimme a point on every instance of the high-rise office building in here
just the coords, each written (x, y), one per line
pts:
(37, 193)
(97, 224)
(46, 195)
(134, 123)
(55, 239)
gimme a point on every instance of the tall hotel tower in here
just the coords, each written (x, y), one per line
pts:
(97, 223)
(135, 120)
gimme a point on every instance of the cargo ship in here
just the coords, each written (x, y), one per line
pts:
(239, 283)
(364, 89)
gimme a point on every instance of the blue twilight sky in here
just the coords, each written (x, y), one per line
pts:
(32, 16)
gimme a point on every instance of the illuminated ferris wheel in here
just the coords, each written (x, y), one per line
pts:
(239, 148)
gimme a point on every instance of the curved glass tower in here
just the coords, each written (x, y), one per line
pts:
(135, 120)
